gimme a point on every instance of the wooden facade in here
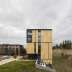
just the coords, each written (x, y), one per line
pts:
(39, 41)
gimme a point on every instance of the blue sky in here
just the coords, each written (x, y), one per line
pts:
(18, 15)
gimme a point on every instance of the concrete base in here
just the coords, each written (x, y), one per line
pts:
(47, 68)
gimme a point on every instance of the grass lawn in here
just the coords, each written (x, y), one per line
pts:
(62, 63)
(20, 66)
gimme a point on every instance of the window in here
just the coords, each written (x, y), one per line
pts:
(39, 48)
(29, 36)
(29, 31)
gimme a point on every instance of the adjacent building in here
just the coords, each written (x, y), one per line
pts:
(11, 49)
(39, 44)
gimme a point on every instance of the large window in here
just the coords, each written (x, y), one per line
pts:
(29, 36)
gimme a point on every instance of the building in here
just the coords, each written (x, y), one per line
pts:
(11, 49)
(39, 44)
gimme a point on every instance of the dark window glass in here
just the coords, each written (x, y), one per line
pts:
(39, 30)
(29, 32)
(39, 48)
(29, 39)
(29, 36)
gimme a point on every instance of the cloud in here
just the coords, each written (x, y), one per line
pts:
(18, 15)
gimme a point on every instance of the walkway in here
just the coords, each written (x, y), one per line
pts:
(7, 61)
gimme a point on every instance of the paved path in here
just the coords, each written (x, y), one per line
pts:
(7, 61)
(12, 59)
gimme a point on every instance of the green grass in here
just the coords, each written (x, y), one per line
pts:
(62, 63)
(20, 66)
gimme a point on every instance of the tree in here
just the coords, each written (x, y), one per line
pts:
(66, 44)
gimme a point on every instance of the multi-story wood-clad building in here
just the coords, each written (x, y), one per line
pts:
(39, 44)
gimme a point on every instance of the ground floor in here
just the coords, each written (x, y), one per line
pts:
(60, 63)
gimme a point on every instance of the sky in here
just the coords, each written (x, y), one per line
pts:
(18, 15)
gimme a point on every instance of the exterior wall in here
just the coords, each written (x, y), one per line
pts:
(33, 36)
(46, 36)
(46, 46)
(36, 48)
(30, 48)
(50, 53)
(46, 52)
